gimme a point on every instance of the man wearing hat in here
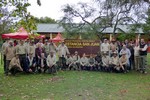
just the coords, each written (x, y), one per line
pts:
(114, 61)
(62, 52)
(123, 61)
(14, 65)
(127, 53)
(63, 49)
(21, 50)
(46, 48)
(106, 61)
(51, 63)
(32, 48)
(4, 45)
(105, 47)
(10, 53)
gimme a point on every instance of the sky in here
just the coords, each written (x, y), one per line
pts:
(50, 8)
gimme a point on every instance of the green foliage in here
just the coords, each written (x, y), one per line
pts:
(124, 36)
(146, 26)
(18, 13)
(44, 20)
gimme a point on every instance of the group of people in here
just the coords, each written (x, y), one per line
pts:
(30, 57)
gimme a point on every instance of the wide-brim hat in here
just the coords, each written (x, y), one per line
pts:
(124, 53)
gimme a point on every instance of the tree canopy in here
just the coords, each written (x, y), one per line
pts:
(101, 14)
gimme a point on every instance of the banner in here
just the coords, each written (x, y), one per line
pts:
(83, 46)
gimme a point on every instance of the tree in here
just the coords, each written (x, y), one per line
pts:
(88, 22)
(44, 20)
(18, 13)
(103, 14)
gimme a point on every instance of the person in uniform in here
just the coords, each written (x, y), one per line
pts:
(98, 61)
(14, 65)
(106, 62)
(46, 48)
(76, 60)
(84, 62)
(21, 50)
(91, 63)
(115, 62)
(51, 63)
(123, 61)
(4, 45)
(10, 53)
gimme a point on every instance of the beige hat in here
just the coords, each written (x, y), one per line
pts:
(123, 53)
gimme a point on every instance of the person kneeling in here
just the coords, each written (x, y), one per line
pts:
(31, 63)
(115, 62)
(51, 63)
(123, 63)
(106, 63)
(14, 65)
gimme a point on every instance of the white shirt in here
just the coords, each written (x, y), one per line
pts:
(127, 51)
(105, 47)
(63, 50)
(84, 61)
(136, 51)
(51, 60)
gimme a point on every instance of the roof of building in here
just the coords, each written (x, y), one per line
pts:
(55, 28)
(49, 28)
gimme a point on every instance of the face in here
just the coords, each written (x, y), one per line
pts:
(124, 47)
(51, 54)
(83, 54)
(42, 55)
(21, 42)
(10, 43)
(105, 41)
(115, 55)
(76, 53)
(142, 41)
(17, 56)
(30, 55)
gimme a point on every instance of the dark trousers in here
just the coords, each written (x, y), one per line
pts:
(14, 70)
(51, 70)
(4, 59)
(83, 67)
(7, 66)
(22, 58)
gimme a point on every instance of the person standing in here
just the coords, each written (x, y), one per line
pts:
(4, 45)
(143, 56)
(32, 48)
(62, 52)
(128, 54)
(10, 53)
(46, 48)
(136, 56)
(21, 50)
(105, 47)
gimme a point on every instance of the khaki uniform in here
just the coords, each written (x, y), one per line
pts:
(15, 62)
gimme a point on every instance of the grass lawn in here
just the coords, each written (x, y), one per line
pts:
(76, 85)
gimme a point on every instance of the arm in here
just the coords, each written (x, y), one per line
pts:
(129, 53)
(145, 48)
(47, 61)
